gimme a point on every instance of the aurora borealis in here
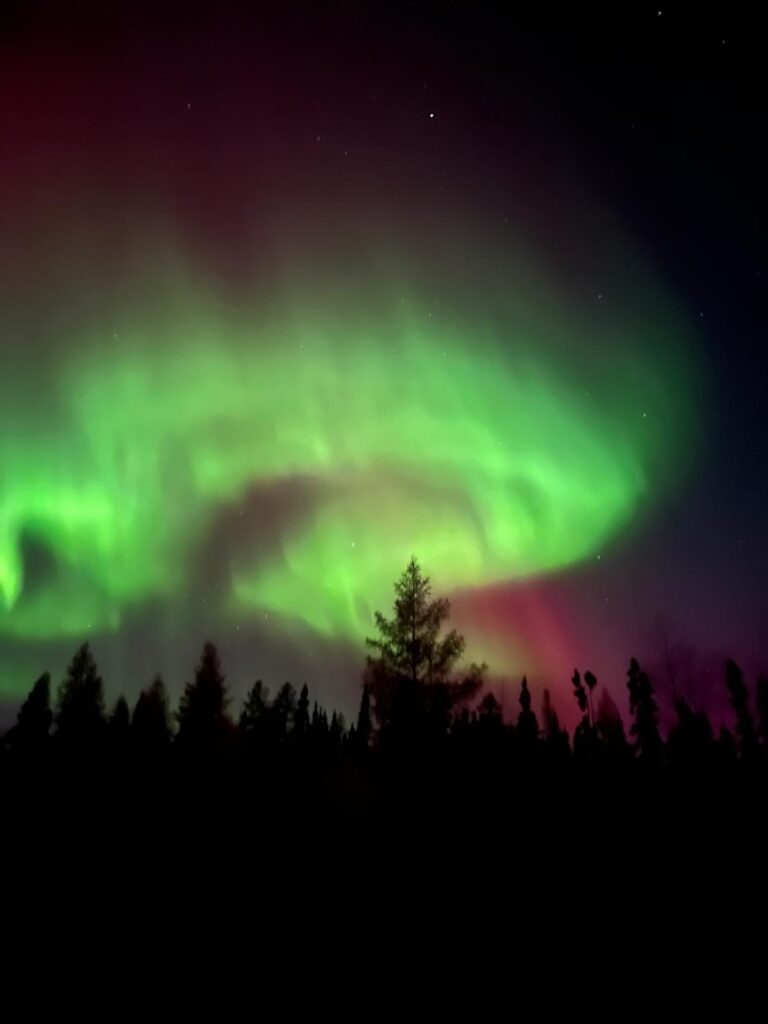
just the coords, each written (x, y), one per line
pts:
(480, 448)
(258, 350)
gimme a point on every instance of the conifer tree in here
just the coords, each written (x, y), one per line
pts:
(364, 727)
(739, 701)
(80, 703)
(34, 719)
(645, 711)
(411, 671)
(202, 714)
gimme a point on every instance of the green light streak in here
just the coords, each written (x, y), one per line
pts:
(486, 449)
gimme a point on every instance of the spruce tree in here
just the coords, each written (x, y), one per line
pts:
(202, 714)
(527, 730)
(739, 701)
(645, 711)
(411, 671)
(151, 722)
(80, 703)
(364, 726)
(33, 723)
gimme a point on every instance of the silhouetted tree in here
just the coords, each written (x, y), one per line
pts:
(301, 715)
(590, 681)
(527, 730)
(80, 703)
(642, 704)
(364, 725)
(255, 707)
(411, 672)
(739, 701)
(610, 726)
(580, 693)
(119, 720)
(255, 726)
(283, 710)
(690, 739)
(585, 741)
(336, 730)
(33, 723)
(555, 737)
(319, 728)
(202, 714)
(118, 730)
(486, 724)
(727, 747)
(151, 721)
(489, 710)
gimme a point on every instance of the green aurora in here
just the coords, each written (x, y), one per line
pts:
(487, 445)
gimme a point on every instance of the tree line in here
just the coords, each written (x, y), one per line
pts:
(415, 697)
(274, 847)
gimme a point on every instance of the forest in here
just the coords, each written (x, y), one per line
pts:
(209, 838)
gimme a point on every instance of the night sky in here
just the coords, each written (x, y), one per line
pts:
(287, 299)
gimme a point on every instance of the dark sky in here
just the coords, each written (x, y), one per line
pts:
(613, 142)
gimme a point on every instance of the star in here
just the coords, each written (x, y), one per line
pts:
(431, 115)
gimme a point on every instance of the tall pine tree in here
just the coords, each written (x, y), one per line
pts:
(203, 723)
(645, 712)
(80, 703)
(412, 668)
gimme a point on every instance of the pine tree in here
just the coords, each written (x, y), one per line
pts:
(610, 726)
(318, 730)
(151, 721)
(118, 729)
(120, 719)
(202, 714)
(34, 719)
(363, 729)
(255, 724)
(80, 703)
(411, 672)
(579, 692)
(643, 706)
(301, 715)
(590, 681)
(690, 739)
(585, 743)
(527, 730)
(489, 723)
(555, 737)
(283, 711)
(739, 701)
(336, 730)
